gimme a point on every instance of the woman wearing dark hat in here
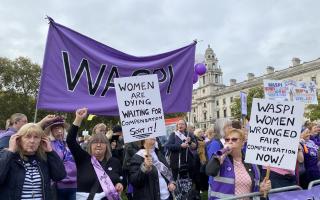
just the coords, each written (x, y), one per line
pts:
(66, 189)
(99, 175)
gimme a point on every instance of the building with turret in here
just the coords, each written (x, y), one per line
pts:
(212, 100)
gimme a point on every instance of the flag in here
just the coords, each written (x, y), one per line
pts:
(90, 117)
(243, 100)
(79, 71)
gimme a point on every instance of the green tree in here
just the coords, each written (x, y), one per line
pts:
(19, 83)
(256, 92)
(20, 75)
(313, 111)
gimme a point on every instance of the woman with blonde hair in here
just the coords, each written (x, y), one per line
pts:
(199, 134)
(28, 165)
(99, 128)
(210, 133)
(229, 165)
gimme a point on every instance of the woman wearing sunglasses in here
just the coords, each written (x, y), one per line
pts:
(232, 176)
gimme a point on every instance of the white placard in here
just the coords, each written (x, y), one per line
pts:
(290, 90)
(274, 133)
(140, 107)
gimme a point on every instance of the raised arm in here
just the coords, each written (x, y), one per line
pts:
(76, 150)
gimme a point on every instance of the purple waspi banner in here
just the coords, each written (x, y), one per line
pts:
(79, 71)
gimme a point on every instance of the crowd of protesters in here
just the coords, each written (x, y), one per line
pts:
(52, 160)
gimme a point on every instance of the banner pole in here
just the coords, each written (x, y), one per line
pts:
(243, 120)
(35, 115)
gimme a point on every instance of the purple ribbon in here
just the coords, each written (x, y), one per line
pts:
(105, 181)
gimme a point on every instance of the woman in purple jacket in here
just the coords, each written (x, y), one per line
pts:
(231, 175)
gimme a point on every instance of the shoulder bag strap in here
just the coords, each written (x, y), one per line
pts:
(179, 166)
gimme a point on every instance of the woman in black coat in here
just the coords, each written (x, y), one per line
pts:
(99, 147)
(179, 146)
(150, 174)
(28, 165)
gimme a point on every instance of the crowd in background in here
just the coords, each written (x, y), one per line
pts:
(52, 160)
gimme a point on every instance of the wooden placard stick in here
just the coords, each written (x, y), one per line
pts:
(265, 179)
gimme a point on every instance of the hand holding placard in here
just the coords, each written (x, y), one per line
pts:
(265, 186)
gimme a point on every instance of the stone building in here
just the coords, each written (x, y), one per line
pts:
(212, 99)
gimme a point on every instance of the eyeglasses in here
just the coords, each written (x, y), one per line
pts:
(232, 139)
(99, 142)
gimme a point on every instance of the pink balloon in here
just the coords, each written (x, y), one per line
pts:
(200, 68)
(195, 78)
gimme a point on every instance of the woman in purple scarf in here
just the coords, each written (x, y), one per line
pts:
(66, 188)
(99, 175)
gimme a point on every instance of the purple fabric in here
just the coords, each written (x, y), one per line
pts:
(316, 139)
(292, 195)
(104, 180)
(243, 98)
(311, 157)
(9, 132)
(68, 51)
(316, 191)
(211, 148)
(70, 181)
(130, 188)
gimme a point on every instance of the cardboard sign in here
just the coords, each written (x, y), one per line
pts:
(274, 90)
(274, 133)
(290, 90)
(140, 107)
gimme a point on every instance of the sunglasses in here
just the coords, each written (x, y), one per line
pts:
(231, 139)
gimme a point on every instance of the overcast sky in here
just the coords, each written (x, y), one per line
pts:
(246, 35)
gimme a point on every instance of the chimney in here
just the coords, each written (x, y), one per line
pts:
(233, 81)
(270, 70)
(250, 76)
(295, 61)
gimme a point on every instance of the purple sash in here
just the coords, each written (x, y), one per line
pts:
(105, 181)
